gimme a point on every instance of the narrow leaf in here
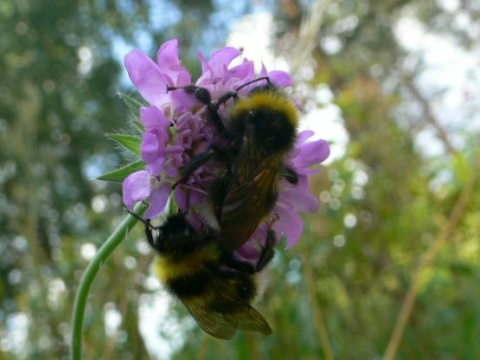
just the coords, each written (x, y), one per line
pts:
(130, 142)
(120, 174)
(132, 104)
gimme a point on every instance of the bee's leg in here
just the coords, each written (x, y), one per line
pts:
(217, 121)
(242, 266)
(203, 95)
(224, 98)
(266, 255)
(148, 228)
(148, 233)
(194, 164)
(138, 217)
(268, 251)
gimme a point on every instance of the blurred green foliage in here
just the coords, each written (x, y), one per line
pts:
(385, 201)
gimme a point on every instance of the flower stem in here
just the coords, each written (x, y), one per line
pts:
(89, 276)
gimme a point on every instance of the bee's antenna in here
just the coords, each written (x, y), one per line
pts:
(137, 216)
(254, 81)
(187, 204)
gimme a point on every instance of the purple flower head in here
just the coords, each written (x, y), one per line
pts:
(178, 129)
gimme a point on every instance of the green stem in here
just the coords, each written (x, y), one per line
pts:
(90, 273)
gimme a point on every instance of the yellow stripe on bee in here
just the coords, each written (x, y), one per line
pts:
(266, 100)
(167, 268)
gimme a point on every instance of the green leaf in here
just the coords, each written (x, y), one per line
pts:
(130, 142)
(132, 104)
(120, 174)
(139, 125)
(134, 107)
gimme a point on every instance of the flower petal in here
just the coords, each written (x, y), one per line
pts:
(248, 251)
(304, 136)
(158, 200)
(222, 57)
(147, 77)
(312, 153)
(280, 78)
(299, 197)
(214, 69)
(153, 153)
(169, 63)
(154, 119)
(290, 225)
(241, 74)
(136, 187)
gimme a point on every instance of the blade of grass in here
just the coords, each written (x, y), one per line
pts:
(425, 261)
(318, 321)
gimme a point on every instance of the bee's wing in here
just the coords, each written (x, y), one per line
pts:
(245, 317)
(250, 319)
(245, 206)
(249, 157)
(215, 324)
(223, 325)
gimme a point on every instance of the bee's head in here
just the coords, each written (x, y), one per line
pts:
(174, 236)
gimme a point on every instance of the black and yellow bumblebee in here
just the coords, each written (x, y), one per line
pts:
(215, 287)
(260, 129)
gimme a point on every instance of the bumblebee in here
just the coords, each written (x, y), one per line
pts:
(260, 130)
(215, 287)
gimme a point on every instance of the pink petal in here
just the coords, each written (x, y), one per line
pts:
(289, 225)
(312, 153)
(153, 118)
(222, 57)
(304, 136)
(153, 152)
(167, 55)
(158, 200)
(136, 187)
(280, 78)
(241, 73)
(299, 197)
(147, 77)
(169, 63)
